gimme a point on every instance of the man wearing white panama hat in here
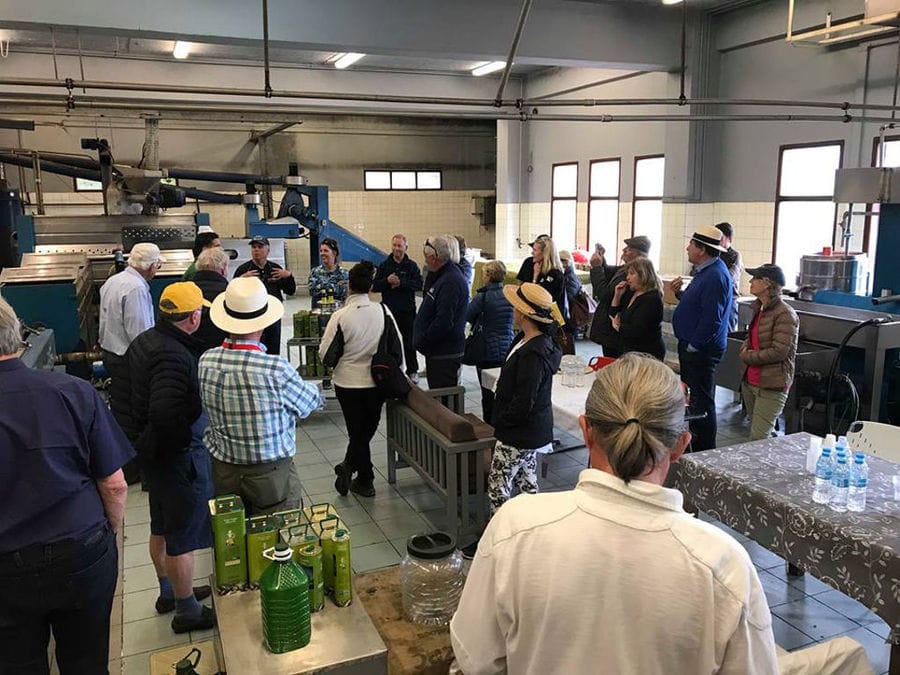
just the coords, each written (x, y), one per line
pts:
(700, 322)
(253, 400)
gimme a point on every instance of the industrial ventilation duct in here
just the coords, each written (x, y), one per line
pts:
(881, 18)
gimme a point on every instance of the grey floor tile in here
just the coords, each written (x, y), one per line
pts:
(203, 635)
(139, 664)
(778, 591)
(332, 444)
(399, 545)
(137, 534)
(425, 501)
(787, 637)
(847, 606)
(879, 627)
(877, 650)
(353, 515)
(332, 497)
(402, 526)
(388, 508)
(139, 605)
(438, 519)
(412, 486)
(309, 457)
(813, 618)
(149, 635)
(365, 534)
(319, 433)
(374, 557)
(137, 515)
(761, 556)
(318, 485)
(806, 583)
(320, 470)
(139, 579)
(136, 497)
(136, 555)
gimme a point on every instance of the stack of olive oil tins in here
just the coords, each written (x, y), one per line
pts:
(310, 325)
(319, 540)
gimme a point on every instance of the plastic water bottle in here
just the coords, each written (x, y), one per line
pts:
(840, 484)
(859, 481)
(842, 447)
(284, 601)
(824, 470)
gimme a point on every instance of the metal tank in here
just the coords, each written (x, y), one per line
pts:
(848, 273)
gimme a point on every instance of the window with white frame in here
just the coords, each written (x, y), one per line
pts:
(564, 195)
(649, 175)
(383, 179)
(804, 211)
(603, 203)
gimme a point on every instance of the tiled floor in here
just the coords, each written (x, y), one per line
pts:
(804, 609)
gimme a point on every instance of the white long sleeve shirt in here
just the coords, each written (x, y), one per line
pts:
(610, 578)
(361, 321)
(126, 310)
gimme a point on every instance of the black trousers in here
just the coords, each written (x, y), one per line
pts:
(362, 412)
(698, 372)
(442, 372)
(405, 321)
(487, 395)
(271, 338)
(67, 587)
(114, 365)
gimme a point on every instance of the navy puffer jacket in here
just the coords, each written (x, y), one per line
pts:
(494, 314)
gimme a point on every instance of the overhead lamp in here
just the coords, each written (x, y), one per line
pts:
(181, 50)
(347, 59)
(489, 67)
(672, 2)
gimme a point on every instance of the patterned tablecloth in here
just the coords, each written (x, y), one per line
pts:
(762, 489)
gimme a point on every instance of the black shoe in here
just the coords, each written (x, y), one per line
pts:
(364, 488)
(342, 482)
(468, 552)
(206, 620)
(166, 605)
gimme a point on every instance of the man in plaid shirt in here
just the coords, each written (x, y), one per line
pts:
(253, 400)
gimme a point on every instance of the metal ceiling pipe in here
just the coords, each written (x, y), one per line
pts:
(774, 103)
(234, 91)
(844, 119)
(513, 48)
(224, 177)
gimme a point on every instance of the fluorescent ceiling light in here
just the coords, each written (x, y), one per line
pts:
(347, 59)
(672, 2)
(181, 50)
(489, 67)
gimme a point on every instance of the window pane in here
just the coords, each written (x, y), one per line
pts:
(603, 223)
(605, 179)
(428, 180)
(563, 228)
(403, 180)
(648, 177)
(378, 180)
(809, 172)
(803, 228)
(565, 180)
(88, 185)
(891, 154)
(648, 221)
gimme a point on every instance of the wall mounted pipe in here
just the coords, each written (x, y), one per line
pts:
(224, 177)
(513, 48)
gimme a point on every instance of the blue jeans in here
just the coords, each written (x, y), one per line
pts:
(698, 372)
(67, 586)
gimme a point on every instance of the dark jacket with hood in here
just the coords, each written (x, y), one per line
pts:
(523, 411)
(490, 310)
(164, 390)
(440, 326)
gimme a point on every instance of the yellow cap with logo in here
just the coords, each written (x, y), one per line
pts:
(181, 297)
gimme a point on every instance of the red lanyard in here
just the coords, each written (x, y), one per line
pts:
(244, 348)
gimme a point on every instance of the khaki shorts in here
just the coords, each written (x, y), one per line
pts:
(264, 488)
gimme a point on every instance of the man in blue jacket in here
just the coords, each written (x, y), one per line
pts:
(701, 326)
(398, 279)
(439, 329)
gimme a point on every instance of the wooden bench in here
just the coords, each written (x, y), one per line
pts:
(454, 470)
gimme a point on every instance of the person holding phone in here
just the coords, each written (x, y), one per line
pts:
(277, 280)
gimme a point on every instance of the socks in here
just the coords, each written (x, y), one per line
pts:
(188, 607)
(165, 588)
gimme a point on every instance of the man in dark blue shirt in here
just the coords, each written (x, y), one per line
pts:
(700, 323)
(62, 499)
(398, 279)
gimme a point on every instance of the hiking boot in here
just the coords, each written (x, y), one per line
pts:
(342, 482)
(364, 488)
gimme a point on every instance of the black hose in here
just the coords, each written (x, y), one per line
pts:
(213, 197)
(829, 417)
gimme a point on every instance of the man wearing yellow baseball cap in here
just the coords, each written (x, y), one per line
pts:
(168, 423)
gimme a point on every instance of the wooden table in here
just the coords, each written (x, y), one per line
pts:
(762, 490)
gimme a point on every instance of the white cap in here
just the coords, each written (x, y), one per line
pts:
(830, 441)
(203, 229)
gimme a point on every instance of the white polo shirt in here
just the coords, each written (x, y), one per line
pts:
(361, 321)
(610, 578)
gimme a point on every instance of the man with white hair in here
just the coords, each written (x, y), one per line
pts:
(439, 329)
(212, 266)
(126, 311)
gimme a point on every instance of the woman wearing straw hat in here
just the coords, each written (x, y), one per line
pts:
(523, 415)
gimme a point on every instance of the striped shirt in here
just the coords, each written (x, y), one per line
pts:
(253, 401)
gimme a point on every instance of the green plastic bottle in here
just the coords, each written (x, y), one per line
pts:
(284, 599)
